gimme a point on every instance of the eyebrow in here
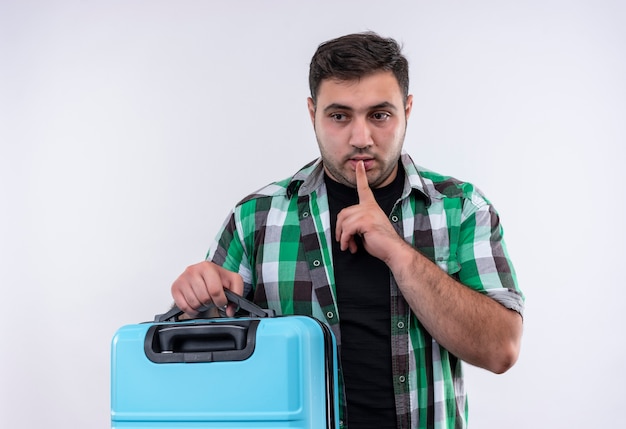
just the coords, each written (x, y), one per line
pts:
(338, 106)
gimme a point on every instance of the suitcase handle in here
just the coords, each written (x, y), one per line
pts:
(242, 303)
(214, 341)
(201, 338)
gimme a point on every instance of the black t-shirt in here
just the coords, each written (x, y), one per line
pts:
(363, 297)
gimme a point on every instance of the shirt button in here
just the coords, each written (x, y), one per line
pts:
(305, 214)
(394, 218)
(401, 379)
(330, 315)
(400, 325)
(316, 263)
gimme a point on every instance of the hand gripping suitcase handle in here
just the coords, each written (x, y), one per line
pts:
(242, 303)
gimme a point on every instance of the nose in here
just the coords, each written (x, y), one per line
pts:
(360, 135)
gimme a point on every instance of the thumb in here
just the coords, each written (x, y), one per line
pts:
(233, 282)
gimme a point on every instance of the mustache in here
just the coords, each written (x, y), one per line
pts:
(360, 153)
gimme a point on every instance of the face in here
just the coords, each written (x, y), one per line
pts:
(361, 120)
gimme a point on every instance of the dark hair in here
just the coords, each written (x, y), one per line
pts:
(357, 55)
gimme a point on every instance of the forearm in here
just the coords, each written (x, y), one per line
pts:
(470, 325)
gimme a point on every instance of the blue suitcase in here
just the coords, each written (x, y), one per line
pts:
(258, 371)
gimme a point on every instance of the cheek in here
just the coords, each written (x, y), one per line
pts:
(395, 135)
(329, 137)
(386, 137)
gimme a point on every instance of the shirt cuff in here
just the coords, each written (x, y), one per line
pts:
(509, 298)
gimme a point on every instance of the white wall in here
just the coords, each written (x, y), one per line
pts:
(129, 128)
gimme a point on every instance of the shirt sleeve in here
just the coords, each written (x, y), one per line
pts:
(228, 250)
(483, 257)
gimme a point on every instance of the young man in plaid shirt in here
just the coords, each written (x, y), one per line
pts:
(408, 267)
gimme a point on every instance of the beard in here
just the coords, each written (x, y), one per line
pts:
(383, 172)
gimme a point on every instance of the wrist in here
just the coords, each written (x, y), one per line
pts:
(402, 259)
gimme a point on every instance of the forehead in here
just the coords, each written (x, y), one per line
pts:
(370, 90)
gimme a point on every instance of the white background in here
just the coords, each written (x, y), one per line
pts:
(129, 128)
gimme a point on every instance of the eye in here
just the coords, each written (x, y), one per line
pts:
(338, 117)
(380, 116)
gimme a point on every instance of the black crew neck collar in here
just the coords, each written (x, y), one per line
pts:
(349, 195)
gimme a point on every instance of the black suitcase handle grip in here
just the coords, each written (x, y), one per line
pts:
(242, 303)
(201, 338)
(212, 341)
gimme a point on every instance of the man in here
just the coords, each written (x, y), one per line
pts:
(406, 266)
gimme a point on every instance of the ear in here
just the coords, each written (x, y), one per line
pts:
(409, 106)
(311, 105)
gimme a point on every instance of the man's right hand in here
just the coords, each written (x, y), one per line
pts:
(203, 284)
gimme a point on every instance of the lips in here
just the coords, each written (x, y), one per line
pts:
(367, 162)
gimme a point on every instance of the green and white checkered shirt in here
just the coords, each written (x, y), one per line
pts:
(278, 240)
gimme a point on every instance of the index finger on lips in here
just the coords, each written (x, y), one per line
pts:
(362, 186)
